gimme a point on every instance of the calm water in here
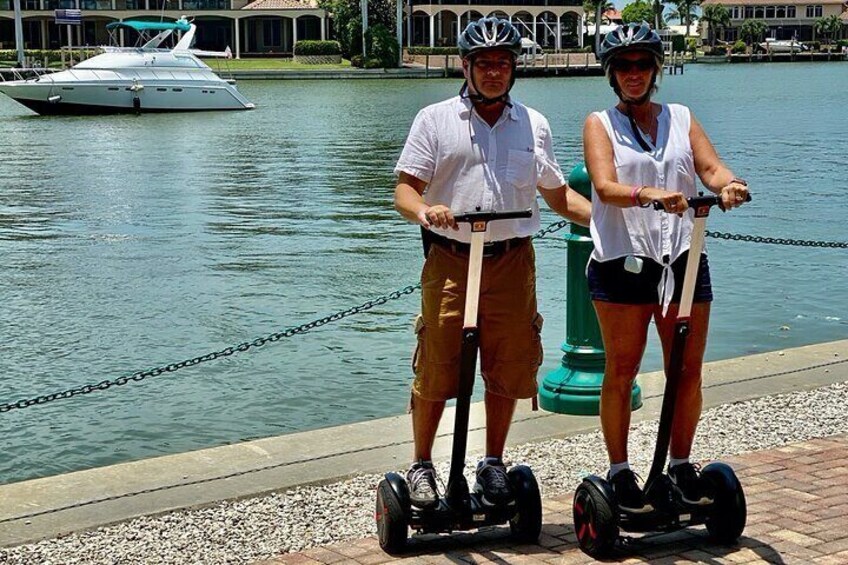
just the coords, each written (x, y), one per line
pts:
(131, 242)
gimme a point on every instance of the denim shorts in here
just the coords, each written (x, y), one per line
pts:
(609, 281)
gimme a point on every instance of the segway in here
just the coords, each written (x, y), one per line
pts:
(597, 517)
(459, 509)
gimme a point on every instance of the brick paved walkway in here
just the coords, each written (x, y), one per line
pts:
(797, 513)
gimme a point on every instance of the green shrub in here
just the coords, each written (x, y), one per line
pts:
(691, 44)
(433, 51)
(356, 61)
(373, 63)
(382, 46)
(313, 47)
(738, 47)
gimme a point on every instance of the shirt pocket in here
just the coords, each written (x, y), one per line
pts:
(521, 168)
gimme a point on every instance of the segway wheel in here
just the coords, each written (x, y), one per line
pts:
(392, 514)
(595, 521)
(728, 514)
(526, 524)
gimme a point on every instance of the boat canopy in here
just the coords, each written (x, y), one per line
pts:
(142, 26)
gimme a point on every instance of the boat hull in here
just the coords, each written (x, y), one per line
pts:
(47, 97)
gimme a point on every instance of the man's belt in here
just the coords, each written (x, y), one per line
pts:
(490, 249)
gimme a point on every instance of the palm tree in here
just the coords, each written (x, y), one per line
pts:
(752, 31)
(828, 27)
(598, 7)
(716, 16)
(658, 7)
(686, 9)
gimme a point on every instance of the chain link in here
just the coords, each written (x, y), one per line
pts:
(240, 348)
(775, 240)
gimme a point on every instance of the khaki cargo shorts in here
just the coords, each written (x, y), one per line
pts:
(510, 326)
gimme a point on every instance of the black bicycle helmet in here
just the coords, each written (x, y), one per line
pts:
(489, 33)
(630, 37)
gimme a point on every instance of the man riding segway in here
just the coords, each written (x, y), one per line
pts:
(481, 150)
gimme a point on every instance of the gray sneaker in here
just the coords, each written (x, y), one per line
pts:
(421, 479)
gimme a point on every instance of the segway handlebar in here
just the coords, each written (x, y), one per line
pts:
(697, 202)
(491, 215)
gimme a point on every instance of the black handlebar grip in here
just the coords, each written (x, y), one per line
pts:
(696, 201)
(491, 215)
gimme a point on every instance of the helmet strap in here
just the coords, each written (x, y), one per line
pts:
(629, 103)
(637, 133)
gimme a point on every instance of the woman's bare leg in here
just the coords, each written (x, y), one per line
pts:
(624, 328)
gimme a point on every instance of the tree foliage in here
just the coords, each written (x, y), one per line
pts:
(828, 27)
(598, 8)
(716, 16)
(382, 45)
(347, 21)
(685, 11)
(638, 11)
(752, 31)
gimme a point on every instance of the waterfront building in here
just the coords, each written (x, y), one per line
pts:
(249, 28)
(786, 19)
(553, 24)
(272, 27)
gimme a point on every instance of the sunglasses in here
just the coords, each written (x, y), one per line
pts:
(625, 66)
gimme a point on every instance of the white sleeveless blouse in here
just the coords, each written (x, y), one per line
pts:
(645, 232)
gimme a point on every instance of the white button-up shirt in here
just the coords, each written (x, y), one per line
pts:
(469, 165)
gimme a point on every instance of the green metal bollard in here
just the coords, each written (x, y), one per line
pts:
(575, 388)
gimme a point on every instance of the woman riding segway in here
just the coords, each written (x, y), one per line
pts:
(639, 152)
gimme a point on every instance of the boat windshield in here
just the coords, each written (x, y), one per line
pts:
(147, 35)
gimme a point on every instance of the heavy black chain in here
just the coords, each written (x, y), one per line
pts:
(240, 348)
(554, 227)
(775, 240)
(139, 376)
(226, 352)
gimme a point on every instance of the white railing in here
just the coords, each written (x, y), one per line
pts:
(23, 74)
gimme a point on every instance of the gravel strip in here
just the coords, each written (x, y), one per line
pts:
(249, 530)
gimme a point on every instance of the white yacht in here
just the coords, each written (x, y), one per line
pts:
(783, 45)
(147, 78)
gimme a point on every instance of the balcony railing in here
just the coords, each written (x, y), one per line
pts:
(59, 4)
(95, 4)
(206, 4)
